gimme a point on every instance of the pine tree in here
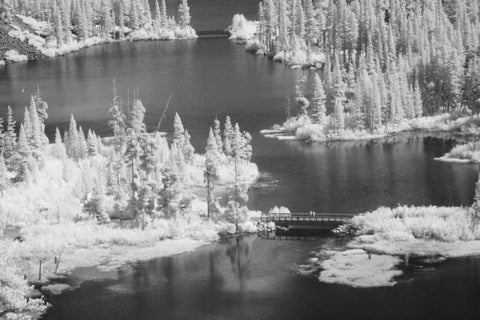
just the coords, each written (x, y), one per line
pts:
(58, 25)
(338, 115)
(187, 148)
(212, 146)
(158, 17)
(121, 21)
(396, 108)
(107, 20)
(163, 10)
(375, 106)
(24, 157)
(184, 14)
(136, 137)
(338, 86)
(282, 40)
(10, 135)
(137, 116)
(169, 191)
(417, 100)
(59, 150)
(2, 136)
(357, 110)
(98, 204)
(82, 146)
(241, 147)
(66, 21)
(178, 130)
(147, 14)
(311, 23)
(261, 28)
(85, 24)
(318, 101)
(36, 139)
(149, 158)
(239, 153)
(134, 15)
(27, 125)
(4, 179)
(211, 174)
(301, 30)
(72, 140)
(118, 124)
(217, 133)
(270, 25)
(475, 209)
(228, 132)
(92, 143)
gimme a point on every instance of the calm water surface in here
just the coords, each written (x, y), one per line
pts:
(216, 77)
(250, 278)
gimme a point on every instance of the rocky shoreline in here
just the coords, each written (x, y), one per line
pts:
(9, 43)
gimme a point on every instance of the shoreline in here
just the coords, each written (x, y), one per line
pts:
(380, 240)
(4, 63)
(465, 152)
(104, 258)
(24, 39)
(285, 135)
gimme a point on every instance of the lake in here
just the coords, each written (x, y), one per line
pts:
(249, 277)
(253, 278)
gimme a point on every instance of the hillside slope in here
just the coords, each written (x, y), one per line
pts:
(9, 43)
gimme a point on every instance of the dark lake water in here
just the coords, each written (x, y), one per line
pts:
(250, 278)
(253, 278)
(216, 77)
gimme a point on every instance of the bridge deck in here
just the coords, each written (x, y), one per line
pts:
(205, 33)
(306, 221)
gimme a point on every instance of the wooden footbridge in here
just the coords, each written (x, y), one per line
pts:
(306, 221)
(213, 33)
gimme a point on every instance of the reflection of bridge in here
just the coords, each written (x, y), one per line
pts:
(306, 221)
(291, 237)
(207, 33)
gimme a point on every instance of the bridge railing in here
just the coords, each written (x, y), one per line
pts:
(213, 32)
(305, 217)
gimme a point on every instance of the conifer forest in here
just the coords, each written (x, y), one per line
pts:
(254, 159)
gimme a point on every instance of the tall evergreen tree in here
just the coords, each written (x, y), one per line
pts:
(59, 150)
(23, 160)
(211, 174)
(318, 101)
(178, 129)
(4, 178)
(228, 132)
(72, 140)
(92, 143)
(10, 135)
(184, 14)
(217, 133)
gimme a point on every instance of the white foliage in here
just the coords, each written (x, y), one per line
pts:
(358, 269)
(241, 28)
(14, 56)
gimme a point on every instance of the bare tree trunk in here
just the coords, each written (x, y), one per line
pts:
(208, 196)
(58, 262)
(236, 180)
